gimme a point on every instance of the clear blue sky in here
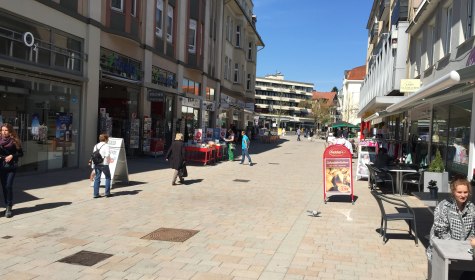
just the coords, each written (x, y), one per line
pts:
(312, 41)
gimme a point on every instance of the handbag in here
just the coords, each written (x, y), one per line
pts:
(8, 165)
(183, 172)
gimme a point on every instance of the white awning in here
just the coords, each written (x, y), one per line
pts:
(445, 82)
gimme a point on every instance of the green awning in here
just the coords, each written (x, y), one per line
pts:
(343, 124)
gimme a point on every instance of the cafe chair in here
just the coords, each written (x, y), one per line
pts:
(407, 214)
(412, 179)
(385, 176)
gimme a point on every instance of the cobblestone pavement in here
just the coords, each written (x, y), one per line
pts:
(255, 229)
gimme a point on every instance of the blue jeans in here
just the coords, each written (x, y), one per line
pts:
(6, 178)
(245, 153)
(98, 169)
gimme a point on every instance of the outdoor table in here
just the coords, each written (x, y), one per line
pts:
(399, 170)
(200, 154)
(450, 255)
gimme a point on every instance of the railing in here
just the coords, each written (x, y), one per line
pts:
(44, 54)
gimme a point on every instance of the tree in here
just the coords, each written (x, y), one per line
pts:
(334, 89)
(320, 110)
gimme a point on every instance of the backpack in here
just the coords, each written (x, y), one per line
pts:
(96, 156)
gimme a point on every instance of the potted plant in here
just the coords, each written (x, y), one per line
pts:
(432, 186)
(436, 173)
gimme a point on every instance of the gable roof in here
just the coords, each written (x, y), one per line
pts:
(327, 95)
(357, 73)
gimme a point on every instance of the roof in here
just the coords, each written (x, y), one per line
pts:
(326, 95)
(357, 73)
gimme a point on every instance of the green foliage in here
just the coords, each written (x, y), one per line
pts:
(334, 89)
(437, 165)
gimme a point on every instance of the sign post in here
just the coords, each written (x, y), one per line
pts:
(366, 154)
(337, 172)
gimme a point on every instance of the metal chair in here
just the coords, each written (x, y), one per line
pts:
(413, 179)
(407, 214)
(378, 177)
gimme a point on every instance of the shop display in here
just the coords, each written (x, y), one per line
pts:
(134, 138)
(147, 134)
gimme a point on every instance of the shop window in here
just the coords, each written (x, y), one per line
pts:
(459, 137)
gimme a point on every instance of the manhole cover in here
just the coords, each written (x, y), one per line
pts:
(276, 163)
(241, 180)
(288, 153)
(171, 234)
(7, 237)
(86, 258)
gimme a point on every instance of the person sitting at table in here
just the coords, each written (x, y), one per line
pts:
(454, 218)
(382, 159)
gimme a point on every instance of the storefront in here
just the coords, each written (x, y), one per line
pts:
(190, 112)
(41, 92)
(119, 92)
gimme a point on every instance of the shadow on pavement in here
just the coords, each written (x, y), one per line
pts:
(134, 192)
(341, 198)
(192, 181)
(38, 207)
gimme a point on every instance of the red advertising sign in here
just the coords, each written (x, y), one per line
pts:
(337, 172)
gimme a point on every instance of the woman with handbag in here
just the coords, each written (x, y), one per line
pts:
(176, 156)
(10, 151)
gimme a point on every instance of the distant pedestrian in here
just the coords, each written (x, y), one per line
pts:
(176, 156)
(245, 148)
(102, 167)
(231, 145)
(298, 134)
(343, 141)
(10, 151)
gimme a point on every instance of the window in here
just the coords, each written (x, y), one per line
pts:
(230, 31)
(448, 30)
(117, 5)
(226, 68)
(236, 72)
(418, 56)
(248, 84)
(431, 44)
(238, 35)
(192, 36)
(249, 51)
(209, 94)
(170, 24)
(228, 22)
(159, 19)
(470, 30)
(133, 9)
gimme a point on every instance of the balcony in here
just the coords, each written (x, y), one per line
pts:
(384, 9)
(400, 12)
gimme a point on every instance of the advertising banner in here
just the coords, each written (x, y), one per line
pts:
(337, 172)
(366, 154)
(198, 135)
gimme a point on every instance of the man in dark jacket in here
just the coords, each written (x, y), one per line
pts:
(176, 155)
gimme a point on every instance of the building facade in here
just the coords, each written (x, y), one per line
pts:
(350, 94)
(137, 70)
(436, 116)
(277, 102)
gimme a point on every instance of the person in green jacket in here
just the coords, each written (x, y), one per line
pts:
(231, 145)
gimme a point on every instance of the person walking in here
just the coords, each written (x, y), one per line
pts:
(176, 157)
(231, 145)
(10, 151)
(245, 148)
(102, 167)
(298, 134)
